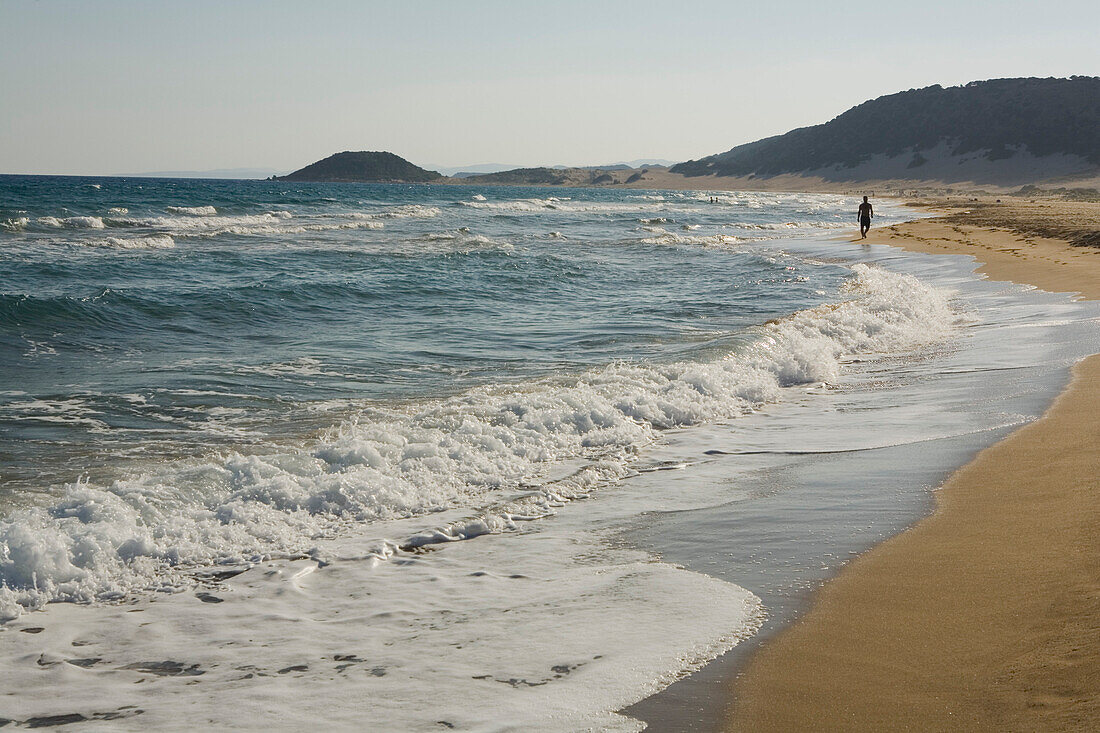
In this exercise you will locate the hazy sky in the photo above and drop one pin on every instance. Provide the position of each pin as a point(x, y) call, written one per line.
point(101, 87)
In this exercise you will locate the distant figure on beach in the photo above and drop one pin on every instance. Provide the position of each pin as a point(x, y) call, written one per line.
point(865, 214)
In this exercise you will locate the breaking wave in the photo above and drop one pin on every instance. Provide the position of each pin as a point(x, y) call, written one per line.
point(487, 453)
point(193, 210)
point(75, 222)
point(153, 241)
point(663, 236)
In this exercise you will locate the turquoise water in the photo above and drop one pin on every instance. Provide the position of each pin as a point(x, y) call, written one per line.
point(171, 316)
point(382, 444)
point(427, 457)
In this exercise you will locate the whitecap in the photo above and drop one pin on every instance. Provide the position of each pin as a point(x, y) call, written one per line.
point(152, 241)
point(76, 222)
point(193, 210)
point(489, 452)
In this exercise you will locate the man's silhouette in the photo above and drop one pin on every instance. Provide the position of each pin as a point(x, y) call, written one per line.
point(865, 214)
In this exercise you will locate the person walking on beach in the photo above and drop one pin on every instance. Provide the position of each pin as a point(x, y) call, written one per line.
point(865, 214)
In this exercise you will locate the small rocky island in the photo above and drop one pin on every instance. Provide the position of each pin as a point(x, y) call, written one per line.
point(362, 167)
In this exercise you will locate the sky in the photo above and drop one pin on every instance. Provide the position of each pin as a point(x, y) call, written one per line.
point(106, 87)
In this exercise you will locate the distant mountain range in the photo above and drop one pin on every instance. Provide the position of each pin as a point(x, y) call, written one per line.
point(996, 131)
point(1000, 132)
point(384, 167)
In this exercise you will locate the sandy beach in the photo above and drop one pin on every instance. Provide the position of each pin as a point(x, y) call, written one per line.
point(985, 615)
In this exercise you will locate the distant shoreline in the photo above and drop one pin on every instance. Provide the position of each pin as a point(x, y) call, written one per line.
point(659, 179)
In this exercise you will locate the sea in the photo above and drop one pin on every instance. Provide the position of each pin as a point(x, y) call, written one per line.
point(282, 455)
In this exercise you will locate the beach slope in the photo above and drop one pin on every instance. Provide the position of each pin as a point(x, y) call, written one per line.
point(985, 615)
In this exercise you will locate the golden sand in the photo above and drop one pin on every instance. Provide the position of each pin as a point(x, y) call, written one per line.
point(985, 615)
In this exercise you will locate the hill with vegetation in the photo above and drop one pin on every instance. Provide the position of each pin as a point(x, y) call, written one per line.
point(363, 167)
point(996, 130)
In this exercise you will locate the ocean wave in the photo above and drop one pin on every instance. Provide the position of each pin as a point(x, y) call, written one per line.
point(487, 453)
point(270, 222)
point(554, 203)
point(75, 222)
point(193, 210)
point(463, 240)
point(15, 224)
point(781, 226)
point(514, 205)
point(153, 241)
point(277, 222)
point(408, 211)
point(663, 236)
point(254, 229)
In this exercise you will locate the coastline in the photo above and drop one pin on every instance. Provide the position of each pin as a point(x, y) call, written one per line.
point(983, 615)
point(823, 247)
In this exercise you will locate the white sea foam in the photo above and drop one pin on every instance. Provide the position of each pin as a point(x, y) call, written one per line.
point(663, 236)
point(15, 224)
point(402, 211)
point(153, 241)
point(463, 240)
point(411, 211)
point(118, 210)
point(303, 367)
point(75, 222)
point(84, 222)
point(341, 644)
point(554, 203)
point(202, 221)
point(781, 226)
point(73, 411)
point(488, 453)
point(539, 205)
point(271, 222)
point(193, 210)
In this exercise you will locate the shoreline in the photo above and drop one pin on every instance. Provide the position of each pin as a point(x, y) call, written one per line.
point(940, 626)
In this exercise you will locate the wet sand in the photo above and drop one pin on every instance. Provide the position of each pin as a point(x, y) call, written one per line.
point(985, 615)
